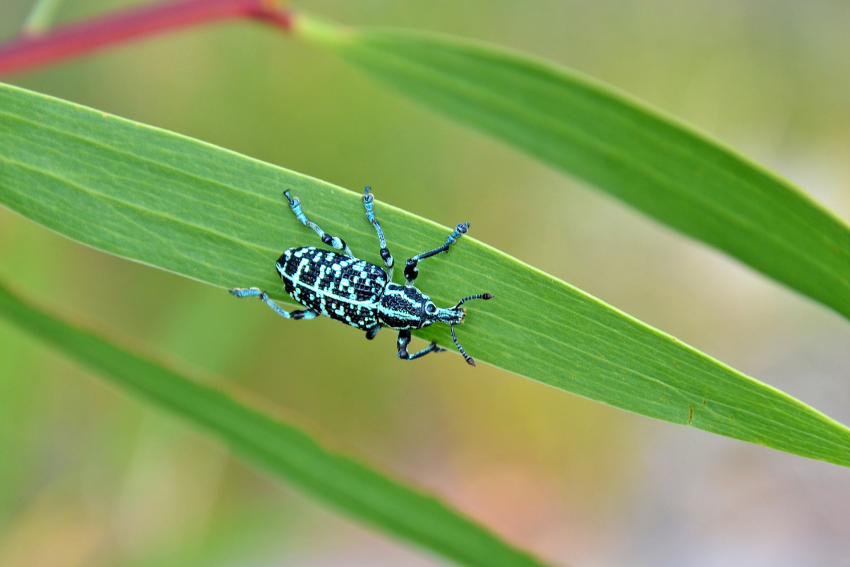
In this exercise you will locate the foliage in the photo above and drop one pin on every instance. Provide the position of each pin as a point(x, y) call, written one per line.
point(218, 217)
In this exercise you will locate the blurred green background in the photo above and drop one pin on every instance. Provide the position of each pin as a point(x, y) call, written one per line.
point(89, 477)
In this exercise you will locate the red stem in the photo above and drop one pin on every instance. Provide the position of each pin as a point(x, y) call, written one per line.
point(72, 40)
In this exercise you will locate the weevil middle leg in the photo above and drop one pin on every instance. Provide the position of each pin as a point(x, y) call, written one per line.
point(368, 203)
point(371, 333)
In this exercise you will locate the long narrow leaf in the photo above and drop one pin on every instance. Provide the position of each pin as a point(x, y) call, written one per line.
point(219, 217)
point(654, 163)
point(283, 450)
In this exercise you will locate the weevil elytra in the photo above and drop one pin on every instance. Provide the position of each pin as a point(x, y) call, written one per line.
point(358, 293)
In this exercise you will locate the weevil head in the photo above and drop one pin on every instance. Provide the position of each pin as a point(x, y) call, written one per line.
point(406, 307)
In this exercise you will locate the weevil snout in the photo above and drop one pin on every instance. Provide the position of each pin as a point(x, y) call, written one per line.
point(450, 316)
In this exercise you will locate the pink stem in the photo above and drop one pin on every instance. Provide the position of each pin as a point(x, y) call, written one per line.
point(72, 40)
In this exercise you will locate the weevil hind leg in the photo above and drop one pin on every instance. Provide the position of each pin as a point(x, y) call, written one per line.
point(404, 340)
point(263, 296)
point(368, 203)
point(411, 271)
point(333, 241)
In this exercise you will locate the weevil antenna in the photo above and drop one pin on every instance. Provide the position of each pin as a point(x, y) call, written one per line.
point(466, 357)
point(471, 297)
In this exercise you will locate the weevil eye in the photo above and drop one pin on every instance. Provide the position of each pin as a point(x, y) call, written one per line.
point(430, 308)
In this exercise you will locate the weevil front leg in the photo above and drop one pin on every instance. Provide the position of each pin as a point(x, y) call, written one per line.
point(334, 241)
point(368, 202)
point(404, 340)
point(257, 292)
point(410, 269)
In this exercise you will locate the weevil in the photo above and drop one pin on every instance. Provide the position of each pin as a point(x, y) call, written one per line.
point(358, 293)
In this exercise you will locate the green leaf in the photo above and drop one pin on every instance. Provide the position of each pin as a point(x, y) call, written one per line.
point(284, 450)
point(219, 217)
point(653, 162)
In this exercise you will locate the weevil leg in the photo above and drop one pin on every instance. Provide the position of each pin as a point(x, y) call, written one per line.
point(411, 271)
point(334, 241)
point(370, 334)
point(404, 340)
point(257, 292)
point(368, 202)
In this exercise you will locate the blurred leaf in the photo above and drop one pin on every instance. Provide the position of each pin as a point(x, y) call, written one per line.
point(18, 426)
point(247, 535)
point(219, 217)
point(282, 449)
point(651, 161)
point(41, 16)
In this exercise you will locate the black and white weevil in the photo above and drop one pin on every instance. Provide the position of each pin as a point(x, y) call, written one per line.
point(360, 294)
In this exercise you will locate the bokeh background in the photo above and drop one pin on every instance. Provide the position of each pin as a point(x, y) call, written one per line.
point(89, 477)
